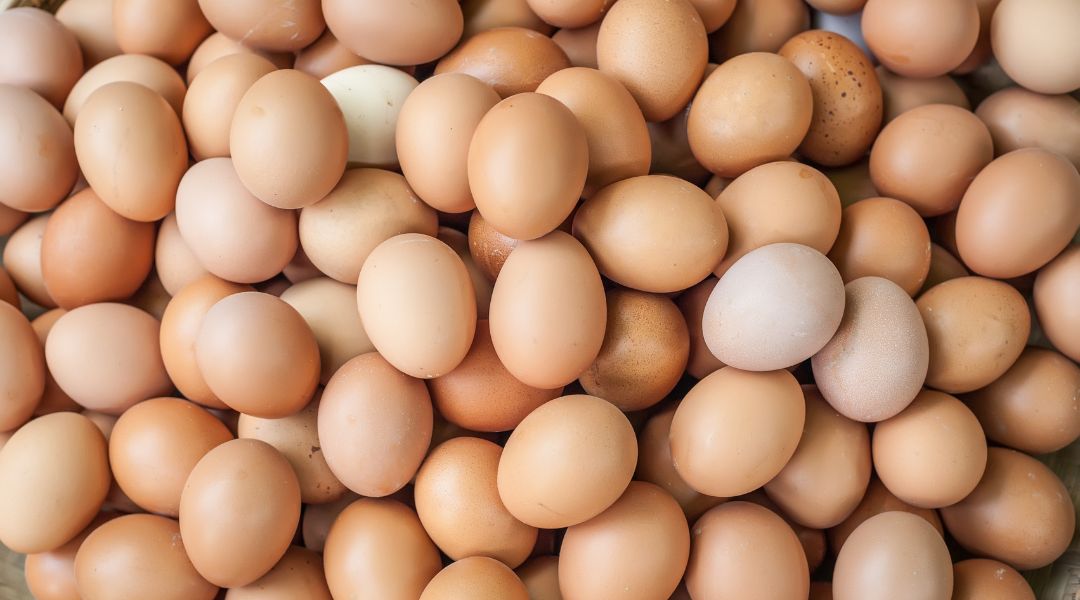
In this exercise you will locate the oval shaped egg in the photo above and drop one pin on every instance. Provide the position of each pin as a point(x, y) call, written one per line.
point(1059, 316)
point(482, 15)
point(691, 303)
point(212, 99)
point(921, 38)
point(299, 574)
point(656, 466)
point(326, 55)
point(548, 312)
point(39, 165)
point(714, 13)
point(653, 233)
point(174, 262)
point(51, 575)
point(394, 33)
point(902, 93)
point(1019, 118)
point(985, 579)
point(883, 237)
point(479, 578)
point(53, 399)
point(22, 368)
point(1033, 44)
point(879, 557)
point(329, 308)
point(570, 13)
point(541, 577)
point(218, 45)
point(579, 44)
point(512, 60)
point(170, 32)
point(371, 97)
point(136, 68)
point(267, 24)
point(488, 248)
point(91, 22)
point(878, 499)
point(39, 53)
point(482, 286)
point(759, 26)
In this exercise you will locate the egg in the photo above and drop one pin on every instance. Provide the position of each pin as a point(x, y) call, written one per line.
point(370, 97)
point(1020, 513)
point(985, 579)
point(218, 45)
point(38, 152)
point(51, 575)
point(656, 466)
point(1019, 118)
point(759, 26)
point(53, 399)
point(394, 33)
point(735, 430)
point(671, 153)
point(753, 109)
point(22, 368)
point(326, 55)
point(11, 219)
point(39, 53)
point(318, 518)
point(1058, 316)
point(595, 452)
point(569, 13)
point(174, 263)
point(774, 308)
point(91, 22)
point(579, 44)
point(714, 13)
point(482, 286)
point(151, 297)
point(548, 311)
point(893, 553)
point(982, 52)
point(541, 577)
point(299, 574)
point(943, 267)
point(691, 303)
point(847, 96)
point(902, 94)
point(212, 99)
point(488, 248)
point(477, 577)
point(741, 550)
point(147, 71)
point(512, 60)
point(482, 15)
point(921, 38)
point(878, 499)
point(366, 208)
point(1033, 44)
point(56, 473)
point(170, 32)
point(378, 548)
point(329, 308)
point(8, 293)
point(267, 24)
point(374, 424)
point(883, 237)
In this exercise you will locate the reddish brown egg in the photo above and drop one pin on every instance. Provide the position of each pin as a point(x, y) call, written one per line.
point(396, 33)
point(923, 38)
point(170, 32)
point(299, 574)
point(22, 368)
point(985, 579)
point(879, 557)
point(267, 24)
point(512, 60)
point(326, 55)
point(1059, 316)
point(39, 53)
point(476, 577)
point(759, 26)
point(883, 237)
point(691, 303)
point(38, 149)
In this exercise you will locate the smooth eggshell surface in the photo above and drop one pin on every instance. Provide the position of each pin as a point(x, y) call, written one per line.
point(512, 60)
point(879, 557)
point(38, 151)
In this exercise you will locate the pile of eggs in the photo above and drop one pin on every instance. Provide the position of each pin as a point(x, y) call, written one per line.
point(538, 299)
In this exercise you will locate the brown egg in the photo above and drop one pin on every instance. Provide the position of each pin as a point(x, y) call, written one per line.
point(258, 355)
point(1059, 316)
point(579, 45)
point(943, 267)
point(985, 579)
point(1033, 43)
point(55, 473)
point(774, 308)
point(22, 368)
point(8, 293)
point(318, 518)
point(779, 202)
point(329, 307)
point(759, 26)
point(671, 153)
point(232, 233)
point(375, 425)
point(847, 96)
point(482, 15)
point(51, 575)
point(482, 286)
point(741, 550)
point(92, 24)
point(151, 297)
point(905, 93)
point(91, 254)
point(326, 55)
point(570, 13)
point(977, 329)
point(289, 149)
point(170, 31)
point(267, 24)
point(714, 13)
point(174, 262)
point(396, 33)
point(378, 549)
point(541, 578)
point(511, 60)
point(650, 245)
point(920, 38)
point(299, 574)
point(106, 357)
point(548, 311)
point(883, 237)
point(53, 399)
point(878, 499)
point(881, 555)
point(136, 68)
point(366, 208)
point(594, 452)
point(477, 578)
point(212, 99)
point(1019, 514)
point(691, 303)
point(11, 219)
point(219, 45)
point(38, 151)
point(812, 540)
point(656, 466)
point(753, 109)
point(735, 430)
point(1019, 118)
point(982, 52)
point(488, 248)
point(39, 53)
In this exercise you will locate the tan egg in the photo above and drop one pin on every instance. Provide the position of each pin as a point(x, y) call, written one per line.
point(1019, 118)
point(548, 311)
point(741, 550)
point(812, 540)
point(480, 394)
point(92, 23)
point(985, 579)
point(1034, 45)
point(53, 399)
point(326, 55)
point(39, 53)
point(22, 368)
point(136, 175)
point(714, 13)
point(827, 476)
point(458, 503)
point(51, 575)
point(1059, 316)
point(106, 357)
point(905, 93)
point(512, 60)
point(371, 97)
point(1020, 513)
point(997, 234)
point(434, 129)
point(378, 549)
point(646, 347)
point(657, 51)
point(735, 430)
point(653, 233)
point(605, 553)
point(232, 233)
point(258, 355)
point(478, 578)
point(671, 153)
point(299, 574)
point(982, 52)
point(329, 307)
point(579, 44)
point(482, 286)
point(921, 38)
point(366, 208)
point(145, 70)
point(541, 577)
point(174, 262)
point(774, 308)
point(692, 303)
point(488, 248)
point(229, 543)
point(170, 31)
point(977, 329)
point(267, 24)
point(38, 151)
point(570, 13)
point(943, 267)
point(374, 425)
point(8, 293)
point(879, 557)
point(779, 202)
point(394, 33)
point(753, 109)
point(759, 26)
point(218, 45)
point(300, 268)
point(567, 462)
point(619, 145)
point(11, 219)
point(318, 518)
point(212, 99)
point(656, 466)
point(878, 499)
point(55, 473)
point(883, 237)
point(482, 15)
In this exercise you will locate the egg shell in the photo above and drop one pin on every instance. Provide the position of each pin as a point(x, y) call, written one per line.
point(299, 574)
point(482, 15)
point(151, 297)
point(735, 430)
point(318, 518)
point(548, 311)
point(8, 293)
point(880, 556)
point(512, 60)
point(570, 13)
point(38, 152)
point(53, 399)
point(329, 308)
point(371, 97)
point(920, 38)
point(56, 473)
point(476, 577)
point(174, 262)
point(691, 303)
point(883, 237)
point(812, 540)
point(218, 45)
point(658, 51)
point(170, 31)
point(51, 575)
point(902, 94)
point(878, 499)
point(759, 26)
point(11, 219)
point(212, 100)
point(1059, 316)
point(91, 23)
point(22, 368)
point(145, 70)
point(982, 52)
point(714, 13)
point(671, 153)
point(326, 55)
point(378, 548)
point(847, 96)
point(1019, 118)
point(1020, 513)
point(541, 577)
point(579, 45)
point(943, 267)
point(985, 579)
point(741, 550)
point(753, 109)
point(267, 24)
point(396, 33)
point(482, 286)
point(655, 466)
point(39, 53)
point(488, 248)
point(366, 208)
point(596, 451)
point(368, 409)
point(1034, 45)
